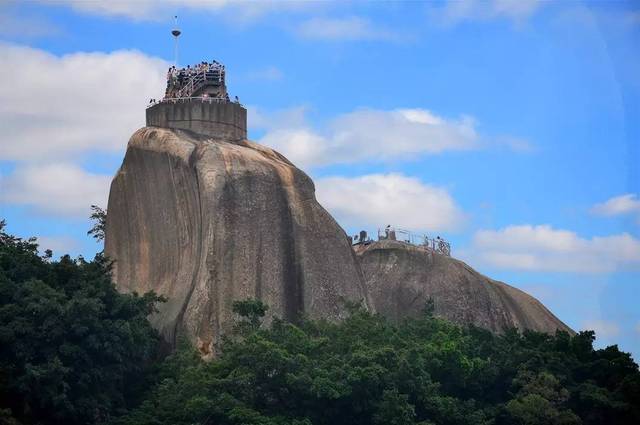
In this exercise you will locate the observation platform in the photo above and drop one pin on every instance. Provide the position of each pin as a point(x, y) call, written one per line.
point(437, 244)
point(196, 99)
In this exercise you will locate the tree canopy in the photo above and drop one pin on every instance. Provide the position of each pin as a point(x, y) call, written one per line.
point(99, 228)
point(72, 349)
point(75, 351)
point(366, 370)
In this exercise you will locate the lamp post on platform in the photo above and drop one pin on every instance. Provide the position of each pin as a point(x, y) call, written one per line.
point(176, 33)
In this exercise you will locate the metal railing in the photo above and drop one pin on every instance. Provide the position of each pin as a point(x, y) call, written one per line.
point(203, 99)
point(198, 80)
point(436, 244)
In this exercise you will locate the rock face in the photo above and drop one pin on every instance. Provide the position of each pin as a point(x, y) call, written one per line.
point(207, 221)
point(402, 277)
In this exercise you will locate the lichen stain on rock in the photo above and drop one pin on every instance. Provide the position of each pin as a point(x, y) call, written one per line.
point(205, 348)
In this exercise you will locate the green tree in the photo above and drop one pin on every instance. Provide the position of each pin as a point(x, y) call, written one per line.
point(394, 409)
point(72, 349)
point(365, 370)
point(541, 400)
point(99, 218)
point(251, 313)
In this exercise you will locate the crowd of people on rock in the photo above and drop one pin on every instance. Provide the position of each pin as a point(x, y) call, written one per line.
point(204, 73)
point(391, 233)
point(178, 78)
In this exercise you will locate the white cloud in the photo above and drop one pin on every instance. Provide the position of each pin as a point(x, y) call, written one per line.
point(515, 144)
point(19, 26)
point(632, 17)
point(63, 189)
point(541, 291)
point(140, 9)
point(457, 11)
point(259, 119)
point(269, 73)
point(618, 205)
point(301, 146)
point(155, 10)
point(603, 328)
point(60, 245)
point(369, 134)
point(515, 9)
point(56, 106)
point(346, 29)
point(380, 199)
point(543, 248)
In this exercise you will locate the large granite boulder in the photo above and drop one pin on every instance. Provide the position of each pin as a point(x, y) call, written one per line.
point(401, 278)
point(207, 221)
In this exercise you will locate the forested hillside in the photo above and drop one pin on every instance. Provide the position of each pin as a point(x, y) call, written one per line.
point(74, 351)
point(367, 371)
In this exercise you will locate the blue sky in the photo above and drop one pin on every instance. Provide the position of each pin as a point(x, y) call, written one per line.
point(510, 128)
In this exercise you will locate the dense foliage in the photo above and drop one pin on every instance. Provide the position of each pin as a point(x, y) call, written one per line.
point(72, 349)
point(369, 371)
point(75, 351)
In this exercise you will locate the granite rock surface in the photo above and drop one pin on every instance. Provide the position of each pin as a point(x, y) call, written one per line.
point(207, 221)
point(401, 278)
